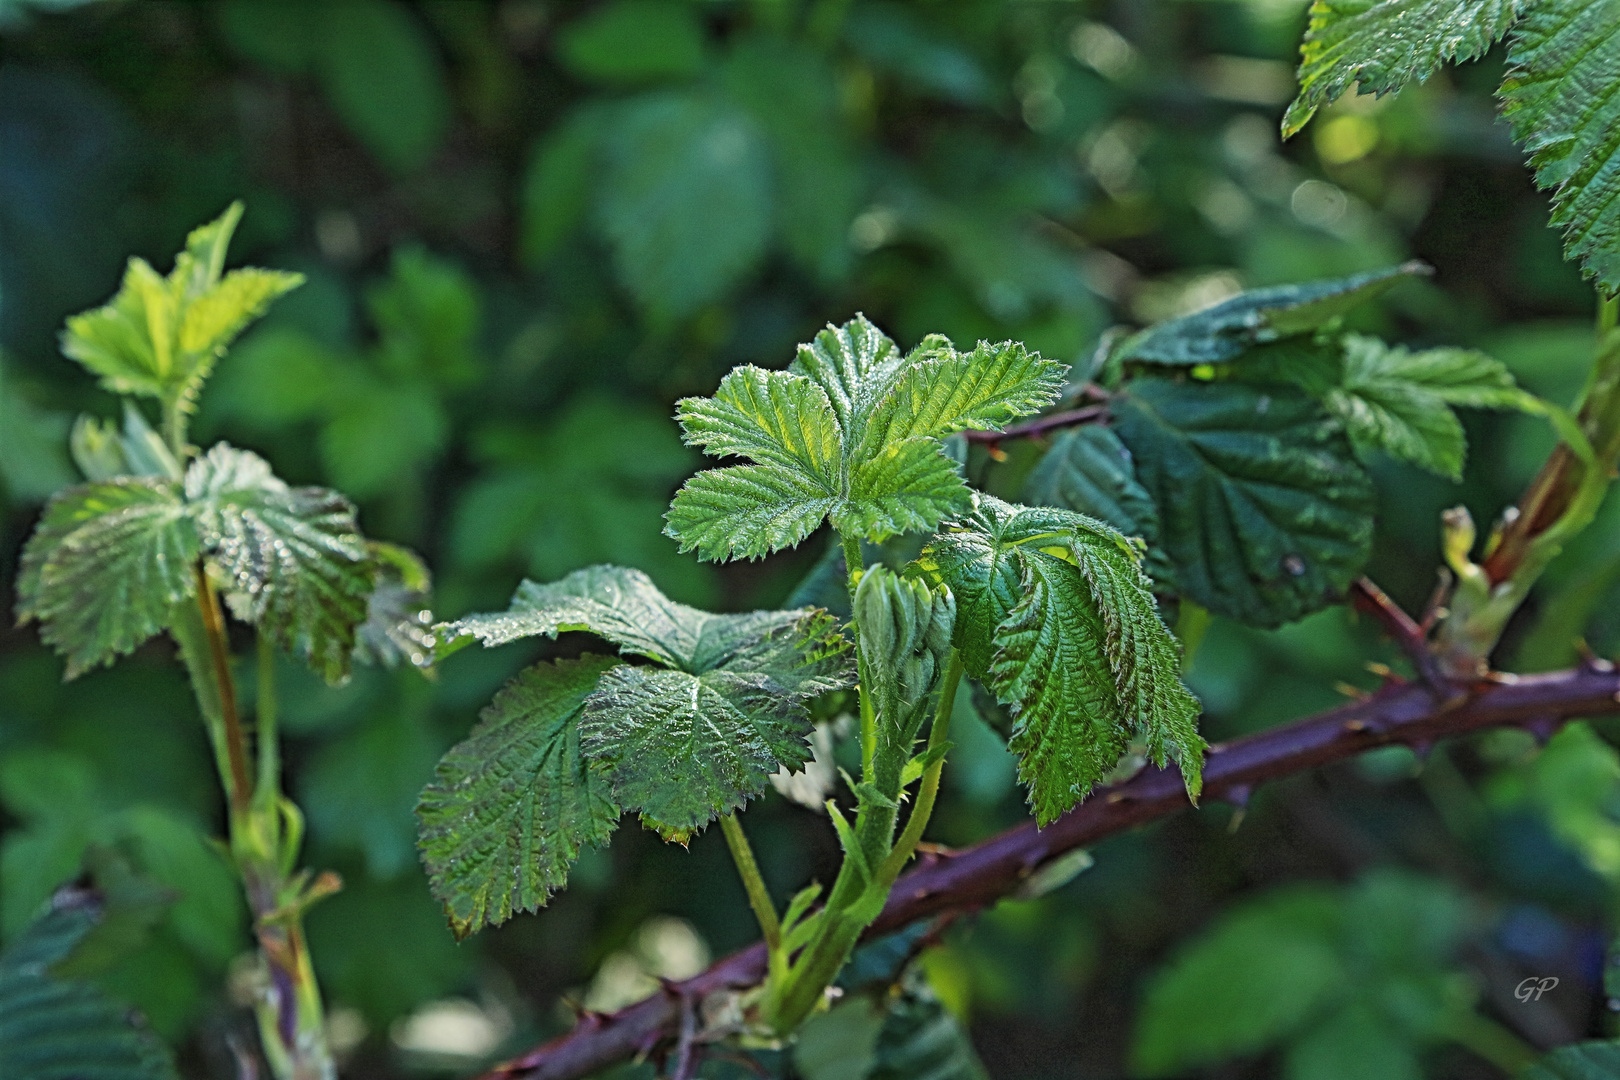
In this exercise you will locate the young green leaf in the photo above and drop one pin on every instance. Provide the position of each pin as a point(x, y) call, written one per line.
point(511, 806)
point(850, 431)
point(1559, 96)
point(105, 566)
point(1265, 514)
point(293, 560)
point(1400, 402)
point(160, 336)
point(1055, 615)
point(1228, 329)
point(702, 732)
point(905, 637)
point(1384, 44)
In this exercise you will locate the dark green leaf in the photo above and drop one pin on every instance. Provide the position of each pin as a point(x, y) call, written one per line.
point(1088, 470)
point(920, 1038)
point(1265, 515)
point(510, 807)
point(633, 41)
point(1226, 330)
point(1378, 46)
point(105, 567)
point(1583, 1061)
point(398, 622)
point(684, 200)
point(1559, 96)
point(293, 561)
point(382, 74)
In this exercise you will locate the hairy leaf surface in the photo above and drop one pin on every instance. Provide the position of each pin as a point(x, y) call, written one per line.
point(1560, 97)
point(511, 806)
point(851, 431)
point(293, 559)
point(1088, 470)
point(1384, 44)
point(105, 566)
point(1226, 330)
point(1054, 613)
point(1265, 513)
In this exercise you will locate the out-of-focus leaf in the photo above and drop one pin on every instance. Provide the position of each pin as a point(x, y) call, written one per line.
point(1255, 977)
point(511, 806)
point(105, 566)
point(380, 432)
point(1227, 329)
point(382, 74)
point(32, 464)
point(920, 1038)
point(1559, 97)
point(359, 789)
point(1583, 1061)
point(1379, 46)
point(896, 38)
point(793, 94)
point(53, 1028)
point(557, 185)
point(633, 41)
point(684, 199)
point(1355, 1044)
point(428, 315)
point(292, 558)
point(1265, 514)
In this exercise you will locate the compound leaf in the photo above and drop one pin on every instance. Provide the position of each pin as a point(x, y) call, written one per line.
point(1559, 96)
point(511, 806)
point(293, 560)
point(1055, 615)
point(1400, 402)
point(851, 431)
point(1228, 329)
point(1265, 514)
point(160, 336)
point(105, 567)
point(1384, 44)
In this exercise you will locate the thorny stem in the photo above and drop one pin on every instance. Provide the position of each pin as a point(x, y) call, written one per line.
point(759, 898)
point(1088, 414)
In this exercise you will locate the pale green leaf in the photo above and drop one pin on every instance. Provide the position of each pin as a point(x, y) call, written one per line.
point(905, 636)
point(853, 364)
point(941, 390)
point(105, 566)
point(774, 417)
point(1265, 514)
point(1228, 329)
point(1379, 46)
point(54, 1028)
point(909, 486)
point(511, 806)
point(1560, 97)
point(292, 559)
point(1055, 615)
point(212, 321)
point(1281, 950)
point(746, 511)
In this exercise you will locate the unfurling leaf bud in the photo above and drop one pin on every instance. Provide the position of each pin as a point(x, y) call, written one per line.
point(904, 633)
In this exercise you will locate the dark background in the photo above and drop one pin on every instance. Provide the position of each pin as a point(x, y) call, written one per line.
point(529, 226)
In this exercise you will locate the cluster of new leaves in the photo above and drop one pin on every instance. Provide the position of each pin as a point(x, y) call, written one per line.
point(160, 336)
point(696, 731)
point(851, 433)
point(1056, 617)
point(112, 558)
point(1233, 450)
point(1564, 58)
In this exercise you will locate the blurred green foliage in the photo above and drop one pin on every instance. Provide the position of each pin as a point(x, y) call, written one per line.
point(528, 226)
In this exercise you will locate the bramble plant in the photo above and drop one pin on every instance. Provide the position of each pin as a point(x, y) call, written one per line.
point(1215, 464)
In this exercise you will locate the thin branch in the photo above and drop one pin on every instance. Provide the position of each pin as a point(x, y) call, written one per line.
point(1409, 635)
point(1088, 414)
point(1413, 714)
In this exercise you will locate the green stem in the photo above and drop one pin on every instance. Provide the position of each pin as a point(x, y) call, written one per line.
point(854, 567)
point(268, 742)
point(238, 785)
point(929, 791)
point(759, 898)
point(1608, 313)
